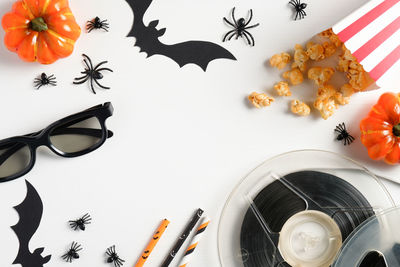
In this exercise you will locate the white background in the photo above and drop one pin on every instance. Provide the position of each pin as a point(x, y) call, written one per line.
point(183, 138)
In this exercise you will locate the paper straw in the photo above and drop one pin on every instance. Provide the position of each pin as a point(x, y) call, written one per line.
point(153, 242)
point(192, 223)
point(195, 241)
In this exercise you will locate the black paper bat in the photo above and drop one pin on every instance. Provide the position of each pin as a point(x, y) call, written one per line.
point(30, 214)
point(197, 52)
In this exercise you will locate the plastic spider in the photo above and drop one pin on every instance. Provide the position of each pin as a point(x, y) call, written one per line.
point(72, 252)
point(240, 28)
point(92, 73)
point(344, 134)
point(81, 222)
point(97, 24)
point(45, 80)
point(299, 8)
point(113, 257)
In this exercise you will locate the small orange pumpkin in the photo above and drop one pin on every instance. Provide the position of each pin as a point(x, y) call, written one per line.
point(380, 130)
point(41, 30)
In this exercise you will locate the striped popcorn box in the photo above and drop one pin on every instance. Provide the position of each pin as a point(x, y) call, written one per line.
point(372, 34)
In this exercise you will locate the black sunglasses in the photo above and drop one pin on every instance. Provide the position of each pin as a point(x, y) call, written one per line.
point(72, 136)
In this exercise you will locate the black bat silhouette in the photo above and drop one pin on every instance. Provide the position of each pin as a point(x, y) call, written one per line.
point(200, 53)
point(30, 214)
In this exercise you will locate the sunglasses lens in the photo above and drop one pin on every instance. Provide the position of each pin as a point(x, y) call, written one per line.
point(14, 158)
point(77, 136)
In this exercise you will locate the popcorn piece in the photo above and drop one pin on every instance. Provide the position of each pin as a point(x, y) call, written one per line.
point(260, 100)
point(320, 75)
point(332, 36)
point(328, 108)
point(343, 97)
point(280, 60)
point(346, 60)
point(300, 108)
point(283, 89)
point(325, 101)
point(329, 49)
point(315, 51)
point(300, 58)
point(295, 76)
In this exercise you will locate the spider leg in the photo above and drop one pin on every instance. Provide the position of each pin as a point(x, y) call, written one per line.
point(81, 82)
point(90, 61)
point(91, 29)
point(101, 63)
point(303, 14)
point(230, 23)
point(234, 34)
point(251, 36)
point(292, 3)
point(88, 67)
point(104, 28)
point(247, 38)
point(91, 85)
point(226, 35)
point(105, 69)
point(250, 18)
point(297, 14)
point(252, 26)
point(83, 77)
point(233, 17)
point(102, 86)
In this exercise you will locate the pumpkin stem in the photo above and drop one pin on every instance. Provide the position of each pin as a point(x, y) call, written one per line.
point(38, 25)
point(396, 130)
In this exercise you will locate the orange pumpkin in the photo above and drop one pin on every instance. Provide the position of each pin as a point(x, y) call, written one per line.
point(380, 130)
point(41, 30)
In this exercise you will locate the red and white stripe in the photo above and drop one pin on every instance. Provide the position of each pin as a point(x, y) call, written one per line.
point(372, 34)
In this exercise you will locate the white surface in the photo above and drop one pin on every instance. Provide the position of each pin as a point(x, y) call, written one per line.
point(183, 138)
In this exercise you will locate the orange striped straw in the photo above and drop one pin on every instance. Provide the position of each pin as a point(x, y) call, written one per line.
point(153, 242)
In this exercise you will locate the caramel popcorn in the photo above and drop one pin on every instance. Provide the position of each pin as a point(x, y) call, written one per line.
point(328, 97)
point(295, 76)
point(315, 51)
point(280, 60)
point(328, 108)
point(260, 100)
point(333, 37)
point(300, 108)
point(320, 75)
point(358, 77)
point(300, 58)
point(329, 49)
point(325, 102)
point(283, 89)
point(343, 97)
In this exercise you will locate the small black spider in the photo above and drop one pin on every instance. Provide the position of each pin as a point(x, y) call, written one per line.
point(45, 80)
point(92, 73)
point(299, 8)
point(72, 252)
point(81, 222)
point(113, 257)
point(240, 28)
point(344, 134)
point(97, 24)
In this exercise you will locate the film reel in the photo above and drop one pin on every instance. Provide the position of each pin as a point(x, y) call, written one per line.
point(297, 209)
point(375, 244)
